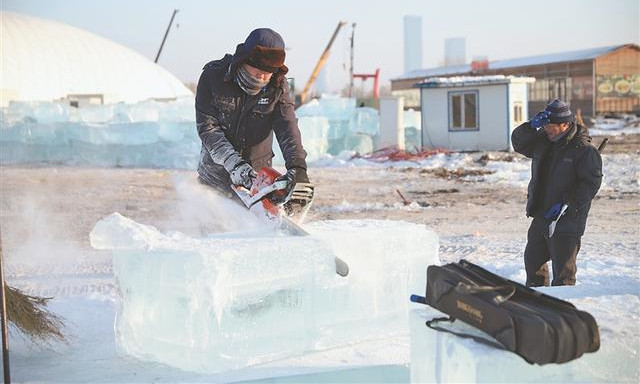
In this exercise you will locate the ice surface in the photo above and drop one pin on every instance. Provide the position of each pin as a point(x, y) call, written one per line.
point(233, 300)
point(446, 358)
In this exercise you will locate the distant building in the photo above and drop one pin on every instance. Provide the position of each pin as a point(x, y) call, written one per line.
point(455, 51)
point(44, 60)
point(476, 113)
point(412, 43)
point(597, 81)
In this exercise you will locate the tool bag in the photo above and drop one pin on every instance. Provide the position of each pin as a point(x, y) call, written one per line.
point(540, 328)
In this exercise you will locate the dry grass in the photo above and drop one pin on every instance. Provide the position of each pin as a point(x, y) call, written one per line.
point(30, 315)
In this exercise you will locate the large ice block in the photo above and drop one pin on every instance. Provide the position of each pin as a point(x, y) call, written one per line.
point(350, 128)
point(412, 130)
point(238, 299)
point(440, 357)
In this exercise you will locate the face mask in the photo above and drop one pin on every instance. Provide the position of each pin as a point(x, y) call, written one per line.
point(248, 83)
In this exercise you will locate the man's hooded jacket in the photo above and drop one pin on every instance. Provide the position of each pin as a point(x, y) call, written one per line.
point(236, 127)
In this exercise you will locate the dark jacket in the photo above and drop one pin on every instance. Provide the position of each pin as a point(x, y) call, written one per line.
point(236, 127)
point(568, 171)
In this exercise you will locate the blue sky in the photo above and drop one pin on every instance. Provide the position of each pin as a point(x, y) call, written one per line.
point(206, 30)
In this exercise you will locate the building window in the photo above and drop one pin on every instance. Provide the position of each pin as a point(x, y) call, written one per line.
point(463, 111)
point(517, 112)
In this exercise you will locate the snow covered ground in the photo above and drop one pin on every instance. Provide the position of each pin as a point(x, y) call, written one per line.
point(621, 171)
point(46, 224)
point(473, 201)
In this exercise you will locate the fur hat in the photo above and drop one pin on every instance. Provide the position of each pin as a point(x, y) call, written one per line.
point(263, 49)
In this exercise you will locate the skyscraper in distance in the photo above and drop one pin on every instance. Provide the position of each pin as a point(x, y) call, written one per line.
point(412, 43)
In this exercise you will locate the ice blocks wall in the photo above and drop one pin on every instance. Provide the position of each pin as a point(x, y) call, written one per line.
point(163, 134)
point(231, 300)
point(155, 134)
point(147, 134)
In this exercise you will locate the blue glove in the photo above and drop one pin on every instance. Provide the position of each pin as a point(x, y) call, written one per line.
point(540, 120)
point(554, 211)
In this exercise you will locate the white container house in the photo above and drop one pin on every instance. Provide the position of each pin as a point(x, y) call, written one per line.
point(472, 113)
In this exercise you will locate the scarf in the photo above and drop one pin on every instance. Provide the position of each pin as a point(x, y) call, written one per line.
point(248, 83)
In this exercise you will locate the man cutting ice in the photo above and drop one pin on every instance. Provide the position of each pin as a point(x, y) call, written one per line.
point(241, 100)
point(566, 172)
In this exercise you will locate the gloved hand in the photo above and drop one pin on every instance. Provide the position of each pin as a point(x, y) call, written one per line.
point(554, 211)
point(293, 176)
point(540, 120)
point(243, 175)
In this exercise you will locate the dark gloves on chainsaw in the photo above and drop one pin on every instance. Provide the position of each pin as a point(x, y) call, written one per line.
point(243, 175)
point(292, 177)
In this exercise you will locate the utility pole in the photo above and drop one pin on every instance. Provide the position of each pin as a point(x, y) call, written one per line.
point(165, 35)
point(353, 30)
point(4, 319)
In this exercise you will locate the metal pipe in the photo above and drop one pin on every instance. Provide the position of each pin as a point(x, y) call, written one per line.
point(3, 320)
point(353, 30)
point(165, 35)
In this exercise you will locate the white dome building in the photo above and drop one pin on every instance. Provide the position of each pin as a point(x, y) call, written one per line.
point(43, 60)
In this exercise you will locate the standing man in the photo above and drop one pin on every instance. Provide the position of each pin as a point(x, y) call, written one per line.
point(241, 100)
point(566, 169)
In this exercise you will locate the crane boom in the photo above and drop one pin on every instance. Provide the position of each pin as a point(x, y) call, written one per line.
point(321, 62)
point(165, 35)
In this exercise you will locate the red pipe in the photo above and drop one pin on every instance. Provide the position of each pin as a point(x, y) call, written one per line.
point(376, 81)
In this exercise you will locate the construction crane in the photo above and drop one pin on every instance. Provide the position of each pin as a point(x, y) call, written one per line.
point(165, 35)
point(321, 62)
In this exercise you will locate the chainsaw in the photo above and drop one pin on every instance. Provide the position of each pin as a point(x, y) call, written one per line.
point(268, 199)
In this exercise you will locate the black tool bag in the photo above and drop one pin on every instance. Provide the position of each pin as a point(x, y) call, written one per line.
point(540, 328)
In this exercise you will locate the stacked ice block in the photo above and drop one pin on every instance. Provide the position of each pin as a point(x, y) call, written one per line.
point(440, 357)
point(349, 128)
point(147, 134)
point(234, 300)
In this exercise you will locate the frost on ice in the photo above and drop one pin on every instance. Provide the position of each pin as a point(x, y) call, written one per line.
point(226, 301)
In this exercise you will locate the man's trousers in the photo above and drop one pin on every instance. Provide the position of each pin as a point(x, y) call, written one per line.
point(561, 249)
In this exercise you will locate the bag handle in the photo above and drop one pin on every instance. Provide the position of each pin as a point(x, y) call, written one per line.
point(432, 324)
point(467, 289)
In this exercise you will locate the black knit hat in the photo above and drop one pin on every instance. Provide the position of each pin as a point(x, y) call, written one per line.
point(560, 112)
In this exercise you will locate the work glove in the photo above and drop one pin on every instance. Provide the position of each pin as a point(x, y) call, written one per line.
point(540, 120)
point(243, 175)
point(292, 177)
point(554, 211)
